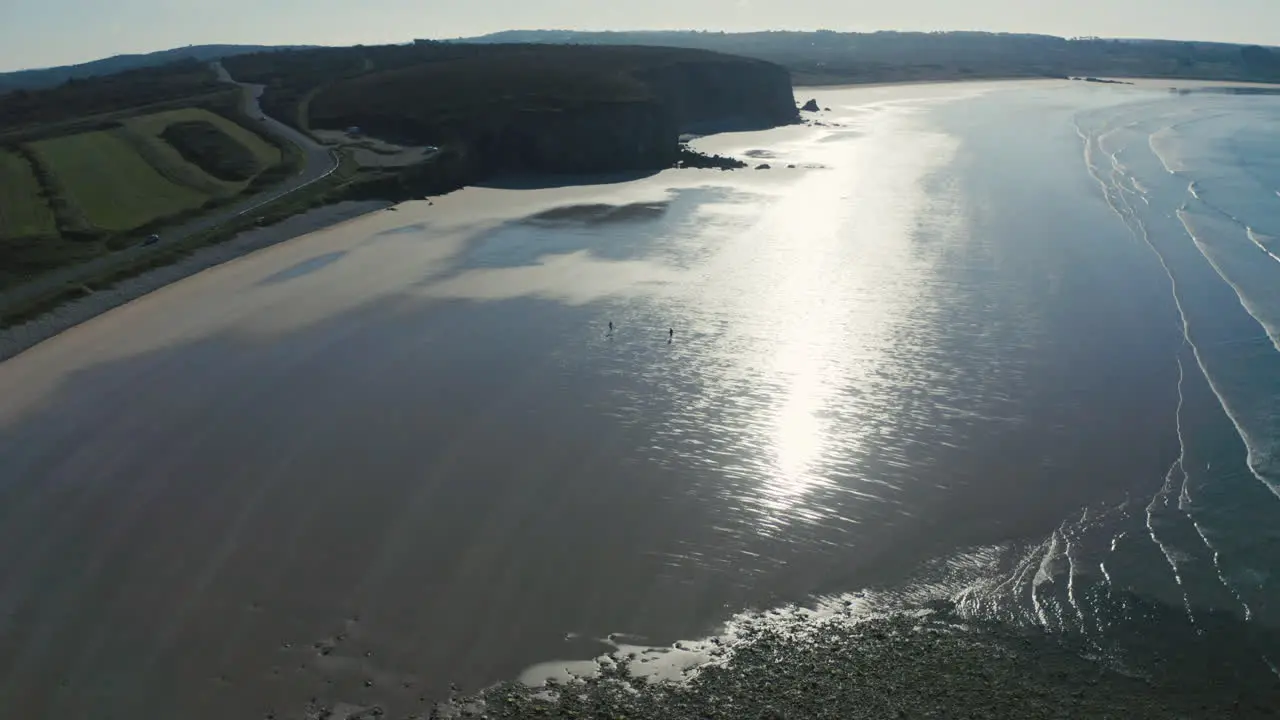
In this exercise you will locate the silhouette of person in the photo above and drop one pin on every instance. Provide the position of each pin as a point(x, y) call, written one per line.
point(610, 326)
point(671, 334)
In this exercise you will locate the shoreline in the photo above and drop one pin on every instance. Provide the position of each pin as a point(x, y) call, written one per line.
point(19, 338)
point(1139, 82)
point(836, 662)
point(254, 464)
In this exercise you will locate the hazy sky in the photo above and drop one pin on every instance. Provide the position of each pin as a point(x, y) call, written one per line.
point(39, 33)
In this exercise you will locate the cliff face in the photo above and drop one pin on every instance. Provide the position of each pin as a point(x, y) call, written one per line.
point(723, 95)
point(563, 109)
point(599, 138)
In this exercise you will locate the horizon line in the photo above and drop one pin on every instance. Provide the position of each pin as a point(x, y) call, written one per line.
point(1069, 38)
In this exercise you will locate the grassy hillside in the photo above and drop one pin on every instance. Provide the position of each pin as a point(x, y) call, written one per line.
point(264, 153)
point(23, 211)
point(110, 184)
point(50, 77)
point(183, 82)
point(170, 163)
point(204, 144)
point(86, 168)
point(201, 168)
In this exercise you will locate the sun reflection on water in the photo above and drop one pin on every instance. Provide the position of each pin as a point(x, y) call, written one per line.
point(813, 292)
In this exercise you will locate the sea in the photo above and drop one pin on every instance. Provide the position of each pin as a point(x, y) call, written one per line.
point(1008, 346)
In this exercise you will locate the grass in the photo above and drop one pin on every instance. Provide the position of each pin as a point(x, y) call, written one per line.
point(216, 152)
point(23, 210)
point(126, 91)
point(264, 153)
point(69, 235)
point(173, 166)
point(111, 184)
point(107, 180)
point(332, 189)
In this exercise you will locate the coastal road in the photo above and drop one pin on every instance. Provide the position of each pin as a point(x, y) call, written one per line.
point(319, 163)
point(320, 160)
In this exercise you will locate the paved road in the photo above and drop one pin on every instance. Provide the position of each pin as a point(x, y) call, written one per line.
point(320, 160)
point(319, 163)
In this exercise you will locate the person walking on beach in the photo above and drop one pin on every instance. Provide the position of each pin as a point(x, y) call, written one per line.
point(671, 334)
point(610, 327)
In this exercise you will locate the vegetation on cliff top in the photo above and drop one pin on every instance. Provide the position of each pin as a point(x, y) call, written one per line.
point(39, 78)
point(440, 83)
point(97, 158)
point(824, 56)
point(77, 100)
point(536, 108)
point(212, 150)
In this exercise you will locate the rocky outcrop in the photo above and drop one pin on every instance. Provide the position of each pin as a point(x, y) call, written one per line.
point(690, 158)
point(811, 106)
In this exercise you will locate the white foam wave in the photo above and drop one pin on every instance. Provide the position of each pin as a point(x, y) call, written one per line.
point(1164, 144)
point(1252, 441)
point(1114, 193)
point(1259, 239)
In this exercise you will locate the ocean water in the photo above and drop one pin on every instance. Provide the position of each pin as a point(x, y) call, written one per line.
point(1009, 345)
point(1180, 574)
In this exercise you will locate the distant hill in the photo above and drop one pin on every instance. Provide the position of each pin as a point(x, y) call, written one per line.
point(824, 57)
point(50, 77)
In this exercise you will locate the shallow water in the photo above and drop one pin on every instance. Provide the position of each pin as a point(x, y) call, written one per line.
point(1011, 344)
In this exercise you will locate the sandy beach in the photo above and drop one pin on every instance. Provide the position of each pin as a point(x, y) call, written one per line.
point(18, 338)
point(137, 566)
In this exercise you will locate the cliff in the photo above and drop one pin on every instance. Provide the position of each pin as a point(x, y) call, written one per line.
point(723, 93)
point(561, 109)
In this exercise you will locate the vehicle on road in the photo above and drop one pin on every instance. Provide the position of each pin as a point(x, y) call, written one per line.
point(151, 240)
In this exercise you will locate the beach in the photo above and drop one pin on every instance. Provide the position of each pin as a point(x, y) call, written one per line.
point(951, 350)
point(22, 336)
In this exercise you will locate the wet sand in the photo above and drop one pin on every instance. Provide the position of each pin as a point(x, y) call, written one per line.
point(405, 451)
point(238, 524)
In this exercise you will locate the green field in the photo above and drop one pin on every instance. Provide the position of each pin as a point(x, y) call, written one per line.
point(154, 124)
point(23, 210)
point(106, 179)
point(169, 162)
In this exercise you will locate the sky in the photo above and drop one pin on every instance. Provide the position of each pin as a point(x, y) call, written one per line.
point(42, 33)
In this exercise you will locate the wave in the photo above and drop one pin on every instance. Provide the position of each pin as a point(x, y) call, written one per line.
point(1218, 236)
point(1263, 242)
point(1120, 187)
point(1190, 522)
point(1131, 577)
point(1164, 145)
